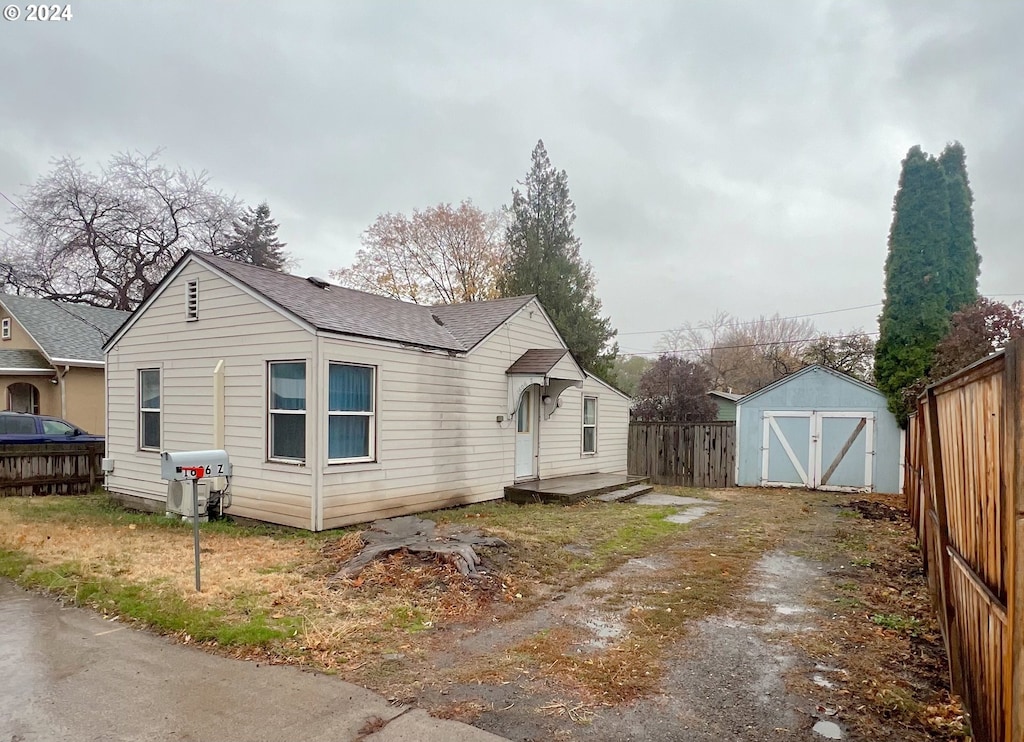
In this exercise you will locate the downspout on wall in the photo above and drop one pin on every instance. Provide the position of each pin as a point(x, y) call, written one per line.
point(63, 392)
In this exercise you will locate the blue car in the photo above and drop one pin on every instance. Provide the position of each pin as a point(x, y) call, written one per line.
point(20, 427)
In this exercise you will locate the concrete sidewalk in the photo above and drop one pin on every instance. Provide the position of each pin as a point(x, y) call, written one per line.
point(68, 674)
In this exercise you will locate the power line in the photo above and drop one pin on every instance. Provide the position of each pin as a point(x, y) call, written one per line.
point(755, 321)
point(746, 345)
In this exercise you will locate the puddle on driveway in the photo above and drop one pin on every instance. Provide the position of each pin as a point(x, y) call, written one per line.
point(828, 730)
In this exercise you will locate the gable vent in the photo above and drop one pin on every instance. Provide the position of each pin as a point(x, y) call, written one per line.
point(192, 300)
point(319, 282)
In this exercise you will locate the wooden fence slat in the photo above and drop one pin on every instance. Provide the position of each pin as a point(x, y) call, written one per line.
point(49, 468)
point(965, 493)
point(683, 454)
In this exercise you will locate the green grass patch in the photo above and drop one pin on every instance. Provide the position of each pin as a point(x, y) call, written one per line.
point(895, 622)
point(147, 604)
point(599, 536)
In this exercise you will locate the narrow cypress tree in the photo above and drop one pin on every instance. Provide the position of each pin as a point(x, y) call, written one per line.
point(915, 313)
point(962, 256)
point(543, 258)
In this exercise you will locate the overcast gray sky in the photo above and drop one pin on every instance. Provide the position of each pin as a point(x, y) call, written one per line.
point(737, 156)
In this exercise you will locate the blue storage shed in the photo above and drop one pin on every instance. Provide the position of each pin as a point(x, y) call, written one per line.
point(821, 429)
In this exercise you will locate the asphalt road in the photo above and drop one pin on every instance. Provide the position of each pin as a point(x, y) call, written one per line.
point(69, 674)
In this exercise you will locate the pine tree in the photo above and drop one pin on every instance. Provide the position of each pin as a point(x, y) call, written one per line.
point(962, 257)
point(543, 258)
point(255, 240)
point(915, 314)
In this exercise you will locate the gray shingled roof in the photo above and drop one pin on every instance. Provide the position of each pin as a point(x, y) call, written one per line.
point(63, 330)
point(537, 361)
point(29, 360)
point(352, 312)
point(472, 322)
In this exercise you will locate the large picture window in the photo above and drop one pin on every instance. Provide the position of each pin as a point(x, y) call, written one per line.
point(589, 425)
point(287, 411)
point(149, 408)
point(350, 413)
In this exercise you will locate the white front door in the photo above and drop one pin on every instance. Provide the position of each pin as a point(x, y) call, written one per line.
point(526, 435)
point(818, 450)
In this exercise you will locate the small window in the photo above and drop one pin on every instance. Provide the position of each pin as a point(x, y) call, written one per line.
point(5, 328)
point(287, 411)
point(589, 425)
point(192, 301)
point(350, 413)
point(149, 408)
point(523, 413)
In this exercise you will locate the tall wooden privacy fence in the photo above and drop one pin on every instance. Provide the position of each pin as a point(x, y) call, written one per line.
point(49, 468)
point(965, 492)
point(683, 454)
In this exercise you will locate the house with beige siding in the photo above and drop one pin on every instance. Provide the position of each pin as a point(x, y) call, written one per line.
point(337, 407)
point(51, 358)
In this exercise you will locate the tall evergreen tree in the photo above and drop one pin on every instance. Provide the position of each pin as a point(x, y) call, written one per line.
point(254, 240)
point(543, 258)
point(915, 313)
point(962, 257)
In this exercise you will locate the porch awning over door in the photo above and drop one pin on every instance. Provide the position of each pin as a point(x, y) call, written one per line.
point(535, 366)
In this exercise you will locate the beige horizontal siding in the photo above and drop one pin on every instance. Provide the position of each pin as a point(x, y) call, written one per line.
point(437, 439)
point(244, 333)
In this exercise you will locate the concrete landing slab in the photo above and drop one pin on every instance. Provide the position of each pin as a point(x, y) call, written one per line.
point(690, 514)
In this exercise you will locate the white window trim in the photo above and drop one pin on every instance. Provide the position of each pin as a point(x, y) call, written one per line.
point(157, 410)
point(372, 414)
point(271, 412)
point(192, 300)
point(585, 425)
point(5, 328)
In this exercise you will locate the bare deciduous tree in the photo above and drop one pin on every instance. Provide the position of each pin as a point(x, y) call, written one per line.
point(108, 238)
point(442, 255)
point(743, 355)
point(852, 353)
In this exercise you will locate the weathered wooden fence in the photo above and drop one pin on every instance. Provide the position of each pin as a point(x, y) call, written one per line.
point(683, 454)
point(49, 468)
point(965, 493)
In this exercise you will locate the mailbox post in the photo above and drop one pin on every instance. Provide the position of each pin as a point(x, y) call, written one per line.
point(191, 466)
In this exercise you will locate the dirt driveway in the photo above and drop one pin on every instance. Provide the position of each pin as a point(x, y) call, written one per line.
point(701, 615)
point(828, 637)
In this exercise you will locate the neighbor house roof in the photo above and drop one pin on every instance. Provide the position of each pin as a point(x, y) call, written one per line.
point(455, 327)
point(726, 395)
point(537, 361)
point(23, 360)
point(63, 331)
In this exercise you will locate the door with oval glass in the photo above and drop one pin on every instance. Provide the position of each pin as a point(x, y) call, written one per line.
point(526, 435)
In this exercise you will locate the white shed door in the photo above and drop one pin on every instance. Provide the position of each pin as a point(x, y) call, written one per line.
point(819, 450)
point(526, 436)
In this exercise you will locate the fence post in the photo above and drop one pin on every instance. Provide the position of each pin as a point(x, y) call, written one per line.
point(1013, 509)
point(939, 493)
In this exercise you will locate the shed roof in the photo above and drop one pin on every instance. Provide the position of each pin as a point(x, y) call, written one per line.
point(537, 361)
point(23, 360)
point(803, 372)
point(62, 330)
